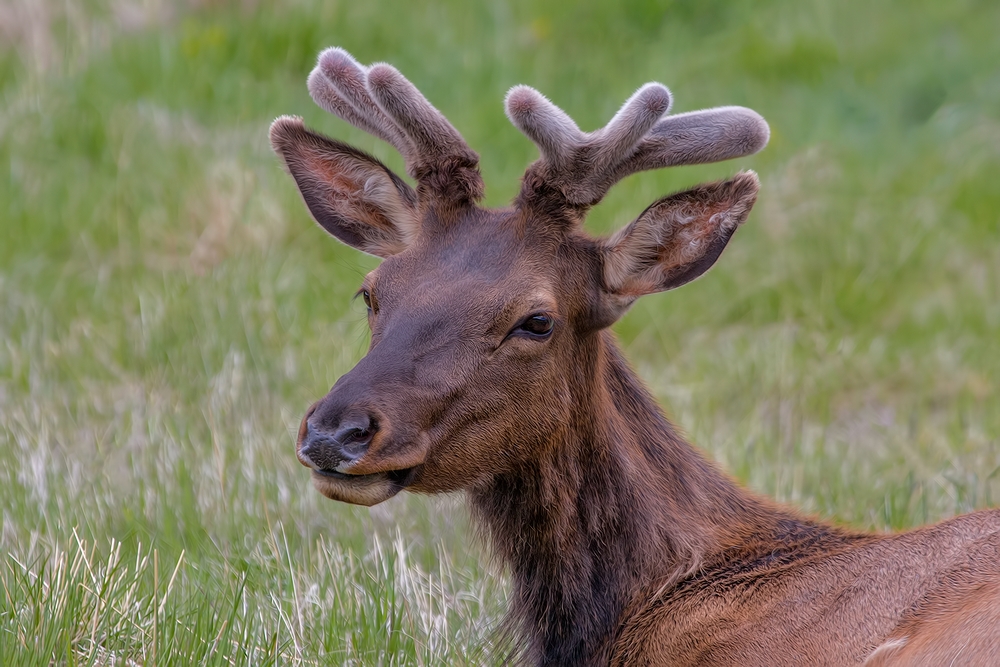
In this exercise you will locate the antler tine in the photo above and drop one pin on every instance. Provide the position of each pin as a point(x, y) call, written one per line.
point(338, 85)
point(327, 97)
point(584, 166)
point(435, 138)
point(548, 126)
point(699, 137)
point(579, 163)
point(638, 115)
point(382, 102)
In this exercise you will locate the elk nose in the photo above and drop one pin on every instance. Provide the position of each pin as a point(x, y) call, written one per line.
point(329, 450)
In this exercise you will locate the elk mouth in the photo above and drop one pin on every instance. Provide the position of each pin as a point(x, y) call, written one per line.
point(366, 490)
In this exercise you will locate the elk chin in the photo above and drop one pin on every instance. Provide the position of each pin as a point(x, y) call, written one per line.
point(364, 490)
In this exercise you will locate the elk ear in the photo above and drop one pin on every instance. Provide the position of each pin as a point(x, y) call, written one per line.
point(676, 239)
point(351, 195)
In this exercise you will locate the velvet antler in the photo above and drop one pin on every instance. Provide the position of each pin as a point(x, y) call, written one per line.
point(381, 101)
point(584, 165)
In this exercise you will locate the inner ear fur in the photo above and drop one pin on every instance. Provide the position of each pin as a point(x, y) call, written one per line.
point(351, 194)
point(677, 238)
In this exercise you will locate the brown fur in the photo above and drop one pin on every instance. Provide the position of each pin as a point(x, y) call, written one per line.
point(491, 370)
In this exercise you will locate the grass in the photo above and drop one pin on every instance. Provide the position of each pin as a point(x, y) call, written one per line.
point(167, 310)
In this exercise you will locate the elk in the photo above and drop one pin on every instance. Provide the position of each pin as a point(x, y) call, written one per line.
point(492, 370)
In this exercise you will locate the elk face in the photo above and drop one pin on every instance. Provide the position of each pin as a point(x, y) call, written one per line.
point(480, 319)
point(464, 375)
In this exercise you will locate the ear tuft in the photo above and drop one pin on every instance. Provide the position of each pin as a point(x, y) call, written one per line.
point(742, 191)
point(283, 131)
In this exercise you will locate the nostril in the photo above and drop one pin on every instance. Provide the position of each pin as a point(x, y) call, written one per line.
point(346, 443)
point(353, 434)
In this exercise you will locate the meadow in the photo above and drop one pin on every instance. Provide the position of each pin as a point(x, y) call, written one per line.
point(168, 310)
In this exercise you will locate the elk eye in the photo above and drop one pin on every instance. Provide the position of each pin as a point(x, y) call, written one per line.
point(538, 325)
point(367, 296)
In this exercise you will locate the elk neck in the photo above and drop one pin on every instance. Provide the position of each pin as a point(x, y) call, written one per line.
point(615, 503)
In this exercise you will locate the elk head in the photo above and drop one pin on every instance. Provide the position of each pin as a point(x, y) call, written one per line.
point(483, 322)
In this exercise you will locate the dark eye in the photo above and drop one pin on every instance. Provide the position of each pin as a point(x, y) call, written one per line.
point(538, 325)
point(369, 301)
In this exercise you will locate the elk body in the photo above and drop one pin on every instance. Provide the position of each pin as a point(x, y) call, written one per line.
point(492, 371)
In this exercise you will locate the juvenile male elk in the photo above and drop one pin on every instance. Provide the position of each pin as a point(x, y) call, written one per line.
point(491, 370)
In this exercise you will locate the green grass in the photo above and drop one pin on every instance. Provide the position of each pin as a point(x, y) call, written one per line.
point(168, 311)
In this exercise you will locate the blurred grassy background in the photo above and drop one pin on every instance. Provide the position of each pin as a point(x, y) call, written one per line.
point(168, 310)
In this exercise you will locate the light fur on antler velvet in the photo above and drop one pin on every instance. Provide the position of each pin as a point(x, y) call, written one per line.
point(381, 101)
point(584, 165)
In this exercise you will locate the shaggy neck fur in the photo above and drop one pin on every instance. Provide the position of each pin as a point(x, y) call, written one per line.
point(615, 504)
